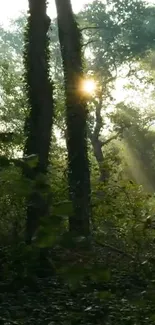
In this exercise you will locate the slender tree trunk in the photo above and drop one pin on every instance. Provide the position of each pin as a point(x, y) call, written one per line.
point(76, 118)
point(94, 138)
point(97, 148)
point(38, 124)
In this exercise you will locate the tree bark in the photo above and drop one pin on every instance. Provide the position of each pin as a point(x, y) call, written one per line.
point(97, 148)
point(39, 122)
point(76, 118)
point(95, 142)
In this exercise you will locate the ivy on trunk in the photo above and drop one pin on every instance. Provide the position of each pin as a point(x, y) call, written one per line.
point(39, 122)
point(76, 118)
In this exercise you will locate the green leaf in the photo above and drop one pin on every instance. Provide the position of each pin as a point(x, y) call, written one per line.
point(63, 208)
point(153, 317)
point(47, 236)
point(31, 160)
point(104, 295)
point(47, 241)
point(73, 274)
point(99, 274)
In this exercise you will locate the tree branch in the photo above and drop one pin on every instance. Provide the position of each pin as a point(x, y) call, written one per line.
point(103, 143)
point(6, 137)
point(117, 250)
point(90, 27)
point(89, 42)
point(98, 116)
point(90, 134)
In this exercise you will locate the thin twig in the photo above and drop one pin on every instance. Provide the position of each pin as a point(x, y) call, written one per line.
point(89, 42)
point(90, 27)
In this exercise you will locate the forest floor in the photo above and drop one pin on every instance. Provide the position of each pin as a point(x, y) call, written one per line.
point(110, 296)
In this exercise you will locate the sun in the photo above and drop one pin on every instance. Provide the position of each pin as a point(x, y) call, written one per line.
point(89, 86)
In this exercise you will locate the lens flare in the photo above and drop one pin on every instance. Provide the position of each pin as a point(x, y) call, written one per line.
point(89, 86)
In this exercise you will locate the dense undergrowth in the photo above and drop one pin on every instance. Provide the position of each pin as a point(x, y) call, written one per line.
point(75, 286)
point(60, 281)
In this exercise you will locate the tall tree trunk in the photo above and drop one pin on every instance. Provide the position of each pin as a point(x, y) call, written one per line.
point(76, 118)
point(38, 124)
